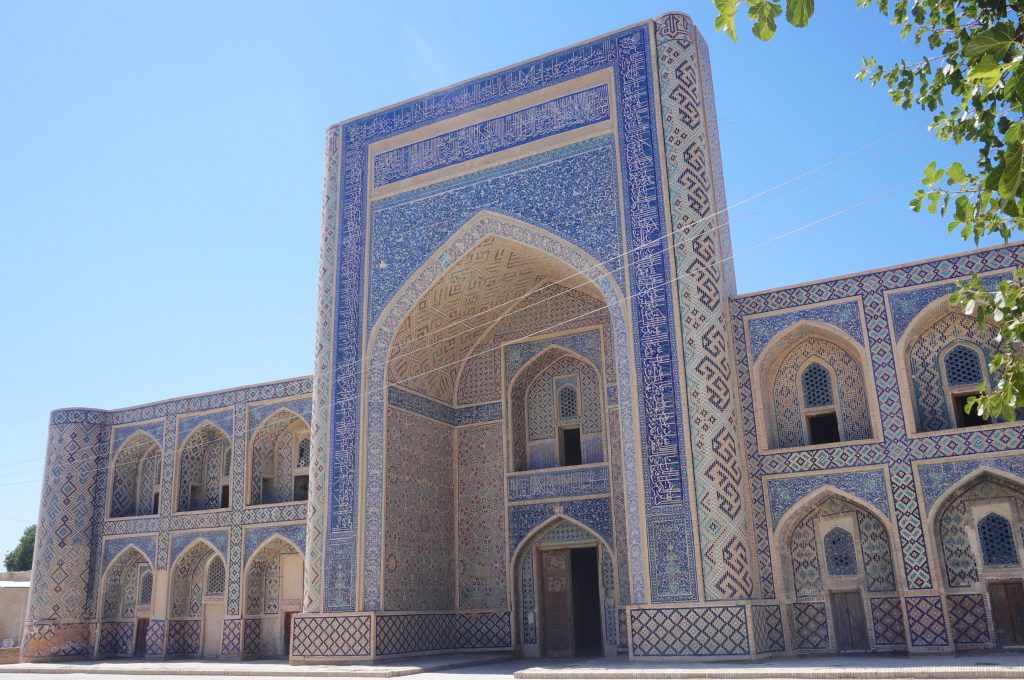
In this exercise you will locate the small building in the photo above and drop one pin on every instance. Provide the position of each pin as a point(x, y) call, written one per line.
point(14, 589)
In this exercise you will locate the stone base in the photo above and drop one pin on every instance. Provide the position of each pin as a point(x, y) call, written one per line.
point(57, 641)
point(326, 638)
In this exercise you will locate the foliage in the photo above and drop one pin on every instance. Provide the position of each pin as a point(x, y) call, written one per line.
point(971, 77)
point(20, 559)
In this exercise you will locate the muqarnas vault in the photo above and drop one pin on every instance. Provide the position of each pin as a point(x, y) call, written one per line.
point(542, 420)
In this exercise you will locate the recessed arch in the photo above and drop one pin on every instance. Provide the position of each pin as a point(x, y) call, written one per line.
point(204, 469)
point(789, 422)
point(275, 470)
point(535, 244)
point(137, 467)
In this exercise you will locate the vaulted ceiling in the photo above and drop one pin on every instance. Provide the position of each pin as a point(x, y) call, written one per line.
point(483, 285)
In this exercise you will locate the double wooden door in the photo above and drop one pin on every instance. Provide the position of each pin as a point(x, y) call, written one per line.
point(850, 623)
point(1008, 612)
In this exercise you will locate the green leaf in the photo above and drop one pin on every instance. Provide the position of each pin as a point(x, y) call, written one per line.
point(987, 72)
point(994, 42)
point(956, 173)
point(763, 13)
point(1010, 180)
point(799, 12)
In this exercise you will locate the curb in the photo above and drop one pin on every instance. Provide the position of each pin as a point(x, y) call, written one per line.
point(898, 673)
point(213, 670)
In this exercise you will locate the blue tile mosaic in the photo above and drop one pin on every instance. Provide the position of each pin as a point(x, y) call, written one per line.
point(905, 305)
point(218, 539)
point(112, 547)
point(563, 114)
point(122, 434)
point(869, 486)
point(222, 419)
point(455, 416)
point(571, 191)
point(593, 513)
point(845, 316)
point(936, 478)
point(587, 344)
point(254, 538)
point(258, 414)
point(561, 483)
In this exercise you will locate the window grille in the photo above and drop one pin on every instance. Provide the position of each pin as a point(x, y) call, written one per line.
point(840, 555)
point(996, 537)
point(303, 453)
point(146, 587)
point(963, 366)
point(215, 577)
point(817, 386)
point(567, 406)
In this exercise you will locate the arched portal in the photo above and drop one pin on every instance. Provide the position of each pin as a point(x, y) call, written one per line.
point(126, 603)
point(273, 594)
point(838, 572)
point(565, 593)
point(198, 584)
point(441, 360)
point(977, 526)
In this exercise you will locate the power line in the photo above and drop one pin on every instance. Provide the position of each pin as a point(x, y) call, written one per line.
point(561, 323)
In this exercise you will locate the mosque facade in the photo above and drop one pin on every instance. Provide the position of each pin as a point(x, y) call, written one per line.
point(542, 420)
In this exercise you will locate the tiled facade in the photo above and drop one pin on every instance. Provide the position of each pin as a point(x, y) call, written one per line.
point(537, 257)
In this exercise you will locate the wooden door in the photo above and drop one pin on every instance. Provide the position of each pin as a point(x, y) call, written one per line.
point(213, 629)
point(849, 621)
point(1008, 612)
point(556, 595)
point(141, 627)
point(288, 633)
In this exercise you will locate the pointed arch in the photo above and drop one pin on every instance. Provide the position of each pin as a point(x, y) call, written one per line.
point(789, 421)
point(204, 469)
point(136, 470)
point(535, 245)
point(274, 471)
point(801, 553)
point(955, 525)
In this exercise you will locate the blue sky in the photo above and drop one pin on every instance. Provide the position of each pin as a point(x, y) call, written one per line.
point(161, 169)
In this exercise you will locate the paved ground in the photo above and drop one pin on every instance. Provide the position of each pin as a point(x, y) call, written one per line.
point(873, 667)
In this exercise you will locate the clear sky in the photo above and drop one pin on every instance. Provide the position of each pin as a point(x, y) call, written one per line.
point(161, 169)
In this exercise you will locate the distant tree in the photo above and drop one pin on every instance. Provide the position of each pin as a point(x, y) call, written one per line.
point(20, 559)
point(971, 76)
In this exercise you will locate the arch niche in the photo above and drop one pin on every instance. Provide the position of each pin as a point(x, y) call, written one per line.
point(196, 611)
point(126, 604)
point(564, 570)
point(135, 479)
point(977, 527)
point(273, 594)
point(279, 460)
point(436, 390)
point(839, 574)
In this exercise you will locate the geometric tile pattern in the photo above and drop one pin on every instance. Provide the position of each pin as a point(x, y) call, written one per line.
point(699, 235)
point(252, 642)
point(331, 636)
point(809, 624)
point(183, 637)
point(485, 630)
point(404, 633)
point(698, 631)
point(927, 621)
point(155, 637)
point(768, 633)
point(116, 638)
point(970, 620)
point(887, 621)
point(231, 640)
point(843, 315)
point(870, 486)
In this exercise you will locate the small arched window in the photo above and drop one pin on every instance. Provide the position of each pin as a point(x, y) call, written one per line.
point(963, 377)
point(840, 554)
point(817, 386)
point(963, 367)
point(146, 587)
point(568, 403)
point(303, 458)
point(996, 537)
point(215, 577)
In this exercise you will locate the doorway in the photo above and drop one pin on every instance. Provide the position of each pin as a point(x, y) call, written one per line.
point(850, 622)
point(1007, 600)
point(141, 626)
point(571, 603)
point(213, 629)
